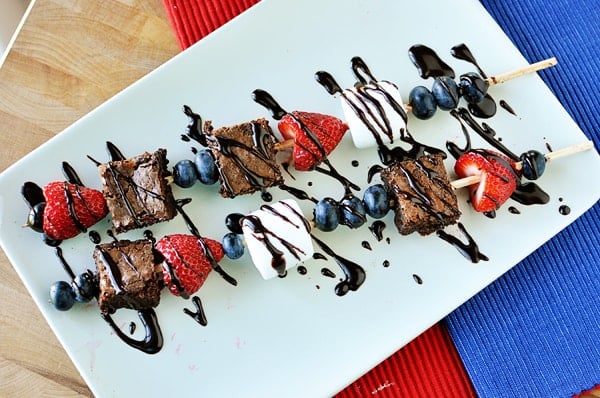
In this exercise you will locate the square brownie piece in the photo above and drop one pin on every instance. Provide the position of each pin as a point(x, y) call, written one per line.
point(130, 275)
point(137, 191)
point(244, 156)
point(423, 199)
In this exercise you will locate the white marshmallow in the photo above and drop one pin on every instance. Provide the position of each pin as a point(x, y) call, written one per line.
point(374, 108)
point(277, 237)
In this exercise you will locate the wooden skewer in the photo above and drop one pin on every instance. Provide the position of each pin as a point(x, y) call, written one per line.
point(546, 63)
point(581, 147)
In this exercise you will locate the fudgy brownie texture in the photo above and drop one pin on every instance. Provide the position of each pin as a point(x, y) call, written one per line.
point(244, 156)
point(423, 199)
point(130, 275)
point(137, 192)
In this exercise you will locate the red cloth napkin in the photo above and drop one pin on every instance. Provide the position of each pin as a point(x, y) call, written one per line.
point(427, 367)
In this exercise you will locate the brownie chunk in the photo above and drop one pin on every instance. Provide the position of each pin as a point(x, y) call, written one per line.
point(137, 192)
point(244, 156)
point(424, 200)
point(130, 275)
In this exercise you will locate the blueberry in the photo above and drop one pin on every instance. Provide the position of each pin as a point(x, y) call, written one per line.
point(84, 287)
point(534, 164)
point(422, 102)
point(184, 173)
point(376, 201)
point(232, 245)
point(206, 167)
point(61, 295)
point(327, 215)
point(472, 87)
point(35, 219)
point(353, 212)
point(445, 92)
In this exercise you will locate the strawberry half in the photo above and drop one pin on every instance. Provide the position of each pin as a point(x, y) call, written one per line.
point(71, 209)
point(187, 262)
point(498, 178)
point(315, 136)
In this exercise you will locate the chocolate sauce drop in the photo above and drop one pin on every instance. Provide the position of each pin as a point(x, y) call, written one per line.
point(355, 163)
point(94, 237)
point(507, 107)
point(319, 256)
point(132, 327)
point(386, 263)
point(328, 82)
point(366, 245)
point(564, 210)
point(298, 193)
point(417, 279)
point(428, 63)
point(194, 127)
point(354, 273)
point(302, 270)
point(469, 250)
point(530, 193)
point(327, 272)
point(199, 315)
point(233, 222)
point(513, 210)
point(377, 228)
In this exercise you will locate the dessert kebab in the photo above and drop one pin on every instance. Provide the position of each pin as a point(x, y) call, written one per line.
point(242, 158)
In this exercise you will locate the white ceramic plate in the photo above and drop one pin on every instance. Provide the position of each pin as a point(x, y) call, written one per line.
point(294, 336)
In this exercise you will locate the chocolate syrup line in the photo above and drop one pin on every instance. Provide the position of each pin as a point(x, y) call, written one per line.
point(114, 153)
point(32, 193)
point(377, 229)
point(468, 249)
point(298, 193)
point(199, 315)
point(71, 205)
point(70, 174)
point(153, 340)
point(209, 255)
point(462, 52)
point(194, 128)
point(354, 273)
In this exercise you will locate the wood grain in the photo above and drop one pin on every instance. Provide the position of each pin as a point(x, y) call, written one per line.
point(70, 56)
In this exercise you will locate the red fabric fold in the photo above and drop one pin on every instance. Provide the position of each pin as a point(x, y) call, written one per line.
point(427, 367)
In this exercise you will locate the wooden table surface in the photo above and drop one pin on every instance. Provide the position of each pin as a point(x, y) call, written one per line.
point(69, 57)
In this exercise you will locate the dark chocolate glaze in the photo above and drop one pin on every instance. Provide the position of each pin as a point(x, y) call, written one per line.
point(354, 273)
point(94, 237)
point(327, 273)
point(417, 279)
point(302, 270)
point(319, 256)
point(468, 249)
point(513, 210)
point(233, 222)
point(199, 315)
point(70, 174)
point(386, 263)
point(194, 127)
point(507, 107)
point(462, 52)
point(366, 245)
point(153, 340)
point(298, 193)
point(32, 193)
point(564, 210)
point(428, 63)
point(484, 109)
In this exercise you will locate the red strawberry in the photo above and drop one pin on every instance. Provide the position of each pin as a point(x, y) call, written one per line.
point(498, 179)
point(71, 209)
point(315, 135)
point(187, 261)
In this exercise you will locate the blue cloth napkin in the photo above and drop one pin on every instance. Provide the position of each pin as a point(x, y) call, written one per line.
point(535, 332)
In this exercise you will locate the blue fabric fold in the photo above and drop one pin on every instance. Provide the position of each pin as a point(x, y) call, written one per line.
point(535, 332)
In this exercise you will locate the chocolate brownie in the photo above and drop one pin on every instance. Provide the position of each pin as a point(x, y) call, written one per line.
point(423, 199)
point(130, 275)
point(244, 156)
point(137, 191)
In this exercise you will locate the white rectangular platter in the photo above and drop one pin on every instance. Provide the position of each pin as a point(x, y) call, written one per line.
point(293, 336)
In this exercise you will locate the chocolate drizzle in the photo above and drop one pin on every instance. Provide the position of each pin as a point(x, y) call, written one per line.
point(199, 315)
point(267, 237)
point(428, 63)
point(354, 273)
point(468, 249)
point(153, 340)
